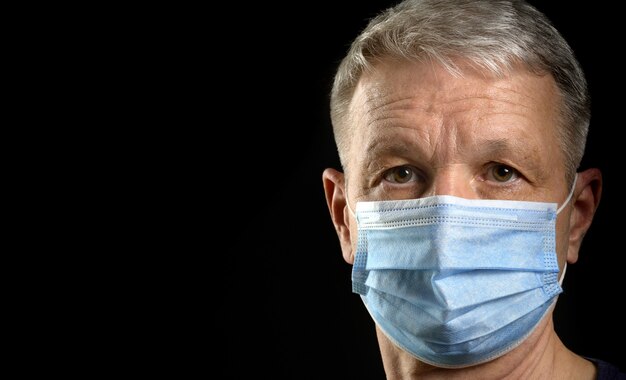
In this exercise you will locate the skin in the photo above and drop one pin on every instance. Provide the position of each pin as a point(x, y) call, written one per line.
point(420, 131)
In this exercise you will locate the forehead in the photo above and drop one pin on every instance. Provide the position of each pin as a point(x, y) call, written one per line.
point(426, 84)
point(425, 103)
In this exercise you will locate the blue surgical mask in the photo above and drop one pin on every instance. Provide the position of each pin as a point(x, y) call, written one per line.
point(457, 282)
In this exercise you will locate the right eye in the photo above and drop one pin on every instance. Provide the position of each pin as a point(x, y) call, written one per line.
point(400, 175)
point(503, 173)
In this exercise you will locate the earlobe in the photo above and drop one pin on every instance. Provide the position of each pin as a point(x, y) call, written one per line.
point(334, 189)
point(587, 198)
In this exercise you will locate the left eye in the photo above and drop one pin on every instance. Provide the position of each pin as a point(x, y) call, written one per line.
point(503, 173)
point(400, 174)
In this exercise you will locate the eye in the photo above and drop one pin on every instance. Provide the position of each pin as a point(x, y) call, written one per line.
point(502, 173)
point(400, 174)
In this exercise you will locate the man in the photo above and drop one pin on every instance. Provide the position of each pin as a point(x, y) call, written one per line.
point(460, 126)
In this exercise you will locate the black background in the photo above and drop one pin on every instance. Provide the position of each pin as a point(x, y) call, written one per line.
point(289, 310)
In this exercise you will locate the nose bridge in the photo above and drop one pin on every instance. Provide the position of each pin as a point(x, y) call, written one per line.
point(452, 180)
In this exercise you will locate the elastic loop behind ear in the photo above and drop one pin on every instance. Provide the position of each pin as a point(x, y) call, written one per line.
point(348, 203)
point(569, 197)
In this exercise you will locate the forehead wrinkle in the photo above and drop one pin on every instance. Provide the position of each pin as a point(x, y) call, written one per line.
point(385, 142)
point(491, 99)
point(486, 102)
point(381, 110)
point(511, 89)
point(378, 105)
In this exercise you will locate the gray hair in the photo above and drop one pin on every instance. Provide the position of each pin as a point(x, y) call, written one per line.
point(492, 35)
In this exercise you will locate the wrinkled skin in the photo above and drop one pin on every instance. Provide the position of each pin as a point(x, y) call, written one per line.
point(420, 131)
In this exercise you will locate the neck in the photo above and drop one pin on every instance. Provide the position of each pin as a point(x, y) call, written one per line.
point(541, 356)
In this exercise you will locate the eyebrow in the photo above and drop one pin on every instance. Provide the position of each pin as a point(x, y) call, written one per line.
point(383, 146)
point(500, 146)
point(488, 149)
point(393, 144)
point(497, 147)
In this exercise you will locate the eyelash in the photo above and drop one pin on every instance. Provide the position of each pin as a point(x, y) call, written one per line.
point(490, 173)
point(415, 175)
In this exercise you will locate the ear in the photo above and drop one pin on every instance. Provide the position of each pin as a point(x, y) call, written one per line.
point(587, 198)
point(334, 188)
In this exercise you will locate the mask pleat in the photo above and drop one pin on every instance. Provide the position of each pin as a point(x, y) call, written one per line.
point(454, 281)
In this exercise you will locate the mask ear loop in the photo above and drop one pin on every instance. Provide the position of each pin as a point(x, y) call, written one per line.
point(563, 274)
point(348, 204)
point(569, 198)
point(348, 200)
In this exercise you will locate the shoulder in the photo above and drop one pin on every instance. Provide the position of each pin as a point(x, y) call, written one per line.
point(607, 371)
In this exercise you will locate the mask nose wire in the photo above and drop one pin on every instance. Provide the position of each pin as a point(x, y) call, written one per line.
point(569, 198)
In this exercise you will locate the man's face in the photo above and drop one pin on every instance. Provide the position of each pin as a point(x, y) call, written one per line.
point(420, 131)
